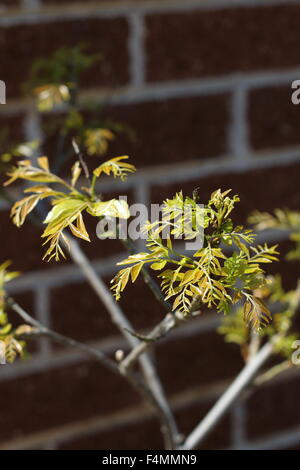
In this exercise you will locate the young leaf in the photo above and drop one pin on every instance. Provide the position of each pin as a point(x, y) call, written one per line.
point(116, 166)
point(256, 313)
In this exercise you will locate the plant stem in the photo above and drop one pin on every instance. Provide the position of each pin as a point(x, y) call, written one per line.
point(93, 184)
point(273, 372)
point(133, 378)
point(164, 412)
point(228, 398)
point(170, 321)
point(57, 337)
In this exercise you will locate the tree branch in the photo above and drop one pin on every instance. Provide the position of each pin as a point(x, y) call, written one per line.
point(273, 372)
point(130, 376)
point(228, 398)
point(57, 337)
point(170, 321)
point(169, 427)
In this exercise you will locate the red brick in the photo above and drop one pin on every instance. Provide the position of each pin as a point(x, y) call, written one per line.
point(29, 42)
point(12, 129)
point(22, 245)
point(10, 3)
point(26, 301)
point(153, 134)
point(11, 134)
point(141, 307)
point(136, 436)
point(273, 408)
point(81, 315)
point(173, 130)
point(273, 118)
point(189, 416)
point(58, 146)
point(196, 360)
point(262, 189)
point(294, 447)
point(145, 435)
point(52, 398)
point(217, 42)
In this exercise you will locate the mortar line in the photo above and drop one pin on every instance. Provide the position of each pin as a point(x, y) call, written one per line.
point(136, 50)
point(109, 345)
point(107, 10)
point(163, 90)
point(130, 414)
point(28, 4)
point(274, 441)
point(42, 310)
point(238, 420)
point(238, 134)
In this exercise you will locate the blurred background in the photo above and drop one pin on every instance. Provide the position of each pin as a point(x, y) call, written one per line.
point(198, 94)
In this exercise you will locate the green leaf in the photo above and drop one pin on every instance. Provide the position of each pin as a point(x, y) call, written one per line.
point(113, 208)
point(158, 265)
point(135, 271)
point(115, 166)
point(256, 313)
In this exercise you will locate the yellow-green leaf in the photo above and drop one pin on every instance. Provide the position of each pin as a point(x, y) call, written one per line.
point(158, 265)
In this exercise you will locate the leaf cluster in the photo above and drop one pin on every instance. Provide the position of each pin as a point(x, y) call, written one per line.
point(284, 306)
point(10, 345)
point(68, 202)
point(209, 275)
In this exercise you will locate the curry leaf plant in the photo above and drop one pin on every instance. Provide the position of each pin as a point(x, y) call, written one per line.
point(216, 278)
point(10, 345)
point(68, 201)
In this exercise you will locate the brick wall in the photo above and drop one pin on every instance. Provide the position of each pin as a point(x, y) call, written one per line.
point(205, 84)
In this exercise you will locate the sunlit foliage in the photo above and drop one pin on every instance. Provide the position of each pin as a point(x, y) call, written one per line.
point(216, 278)
point(68, 201)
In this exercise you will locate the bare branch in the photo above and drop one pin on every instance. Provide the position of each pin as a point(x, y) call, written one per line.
point(273, 372)
point(57, 337)
point(228, 398)
point(169, 427)
point(254, 345)
point(130, 376)
point(170, 321)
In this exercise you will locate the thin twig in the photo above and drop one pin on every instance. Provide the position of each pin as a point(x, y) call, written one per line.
point(228, 398)
point(81, 159)
point(255, 342)
point(131, 377)
point(273, 372)
point(57, 337)
point(170, 321)
point(169, 427)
